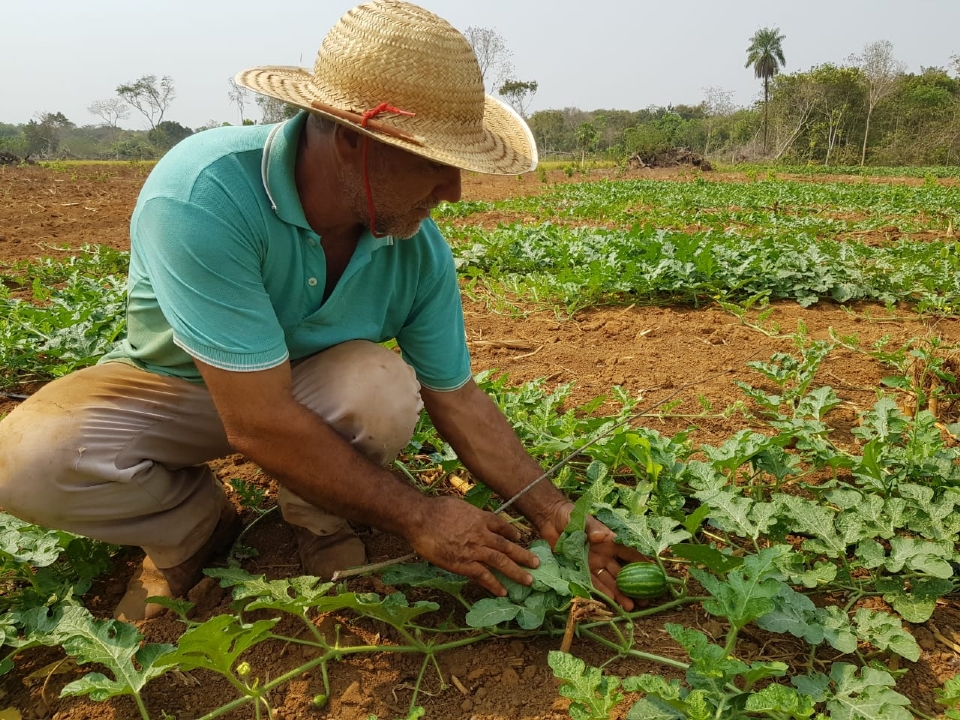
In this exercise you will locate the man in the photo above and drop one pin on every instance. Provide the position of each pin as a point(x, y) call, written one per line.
point(266, 264)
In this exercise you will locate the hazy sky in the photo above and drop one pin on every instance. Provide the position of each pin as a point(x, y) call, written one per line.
point(61, 55)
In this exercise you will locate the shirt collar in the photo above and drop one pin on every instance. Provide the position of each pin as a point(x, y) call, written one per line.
point(279, 180)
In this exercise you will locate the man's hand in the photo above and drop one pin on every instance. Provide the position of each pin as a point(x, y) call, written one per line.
point(486, 444)
point(605, 554)
point(462, 539)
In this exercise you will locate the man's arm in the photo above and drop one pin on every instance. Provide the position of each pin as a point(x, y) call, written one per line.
point(486, 444)
point(265, 422)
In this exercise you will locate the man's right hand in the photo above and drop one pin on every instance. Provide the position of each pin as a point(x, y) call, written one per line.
point(462, 539)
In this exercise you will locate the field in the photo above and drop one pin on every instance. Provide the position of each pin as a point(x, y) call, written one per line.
point(768, 362)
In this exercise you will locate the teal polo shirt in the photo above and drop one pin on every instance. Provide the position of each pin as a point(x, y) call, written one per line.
point(224, 268)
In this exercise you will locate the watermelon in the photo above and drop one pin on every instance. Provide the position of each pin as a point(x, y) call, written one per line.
point(642, 580)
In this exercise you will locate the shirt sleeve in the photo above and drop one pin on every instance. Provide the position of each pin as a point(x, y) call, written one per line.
point(206, 273)
point(433, 339)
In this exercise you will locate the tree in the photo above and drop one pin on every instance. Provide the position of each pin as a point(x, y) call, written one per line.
point(796, 100)
point(586, 137)
point(167, 134)
point(547, 127)
point(519, 93)
point(273, 110)
point(493, 56)
point(718, 106)
point(922, 120)
point(149, 97)
point(111, 111)
point(881, 72)
point(765, 55)
point(838, 98)
point(43, 133)
point(239, 96)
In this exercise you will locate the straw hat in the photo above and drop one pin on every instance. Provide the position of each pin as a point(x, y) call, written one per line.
point(388, 56)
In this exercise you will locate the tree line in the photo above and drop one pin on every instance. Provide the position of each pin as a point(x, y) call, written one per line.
point(51, 135)
point(867, 109)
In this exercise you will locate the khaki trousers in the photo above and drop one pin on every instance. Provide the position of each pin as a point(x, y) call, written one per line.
point(118, 454)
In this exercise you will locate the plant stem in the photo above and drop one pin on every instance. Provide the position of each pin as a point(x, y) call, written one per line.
point(330, 654)
point(628, 616)
point(634, 653)
point(247, 529)
point(143, 708)
point(416, 685)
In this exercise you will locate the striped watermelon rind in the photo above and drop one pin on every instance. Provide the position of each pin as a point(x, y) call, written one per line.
point(642, 580)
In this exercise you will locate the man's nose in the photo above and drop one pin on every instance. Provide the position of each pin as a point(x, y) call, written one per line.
point(449, 187)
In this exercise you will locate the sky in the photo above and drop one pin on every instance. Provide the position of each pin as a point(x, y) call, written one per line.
point(61, 55)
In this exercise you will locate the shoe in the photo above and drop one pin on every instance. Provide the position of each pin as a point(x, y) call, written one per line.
point(176, 581)
point(322, 555)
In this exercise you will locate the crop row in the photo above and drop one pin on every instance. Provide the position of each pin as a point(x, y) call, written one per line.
point(820, 209)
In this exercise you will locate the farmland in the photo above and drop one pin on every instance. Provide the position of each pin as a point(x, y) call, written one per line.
point(768, 328)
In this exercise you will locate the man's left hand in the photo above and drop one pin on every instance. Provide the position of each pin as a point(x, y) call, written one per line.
point(605, 554)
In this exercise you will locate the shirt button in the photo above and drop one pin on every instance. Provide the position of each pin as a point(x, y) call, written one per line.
point(311, 242)
point(312, 282)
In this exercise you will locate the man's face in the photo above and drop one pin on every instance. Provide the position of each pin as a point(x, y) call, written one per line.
point(405, 188)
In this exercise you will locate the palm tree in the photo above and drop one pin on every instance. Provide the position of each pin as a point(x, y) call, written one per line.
point(765, 54)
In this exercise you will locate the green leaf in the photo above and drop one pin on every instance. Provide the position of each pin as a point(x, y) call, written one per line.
point(866, 697)
point(748, 591)
point(707, 556)
point(534, 610)
point(116, 646)
point(762, 670)
point(594, 695)
point(712, 668)
point(574, 552)
point(729, 511)
point(694, 520)
point(488, 612)
point(793, 613)
point(394, 609)
point(596, 492)
point(817, 520)
point(548, 575)
point(816, 685)
point(424, 574)
point(885, 632)
point(29, 544)
point(516, 592)
point(57, 627)
point(699, 707)
point(793, 568)
point(882, 516)
point(837, 629)
point(934, 516)
point(923, 556)
point(177, 605)
point(292, 595)
point(649, 708)
point(656, 685)
point(871, 554)
point(780, 699)
point(949, 694)
point(912, 608)
point(217, 643)
point(650, 534)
